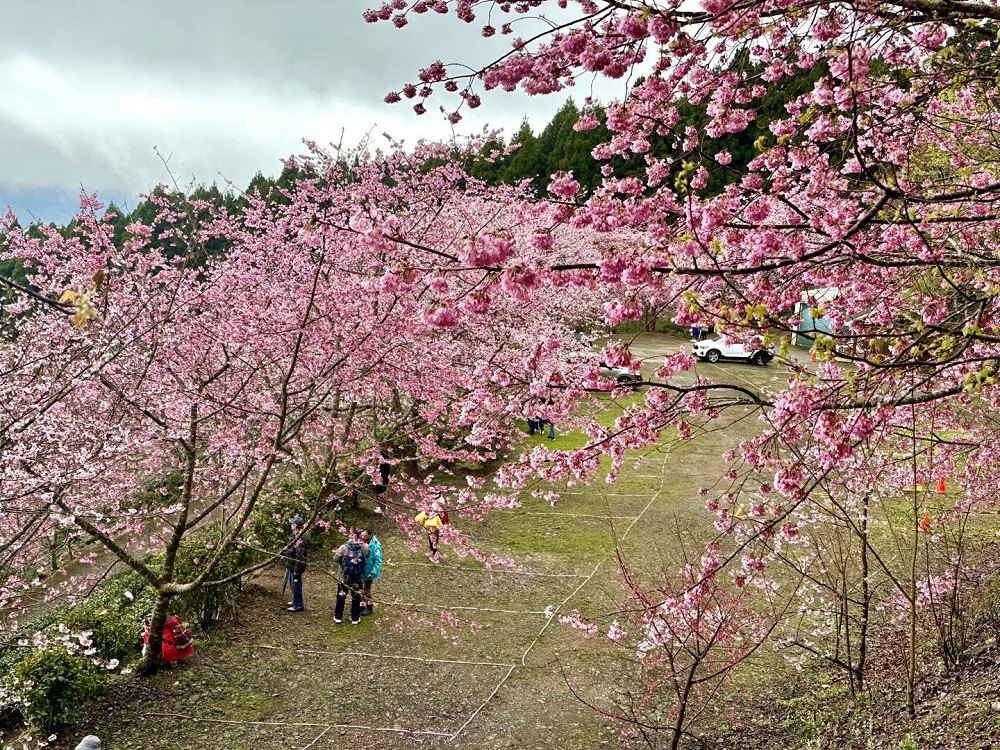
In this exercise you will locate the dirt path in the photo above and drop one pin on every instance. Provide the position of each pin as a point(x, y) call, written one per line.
point(456, 656)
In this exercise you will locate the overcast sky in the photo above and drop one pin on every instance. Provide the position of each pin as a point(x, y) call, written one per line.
point(221, 88)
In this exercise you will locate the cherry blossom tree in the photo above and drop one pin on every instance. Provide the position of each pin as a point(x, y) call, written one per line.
point(690, 632)
point(320, 334)
point(869, 202)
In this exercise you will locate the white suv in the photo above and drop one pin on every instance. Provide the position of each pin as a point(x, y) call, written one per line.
point(712, 350)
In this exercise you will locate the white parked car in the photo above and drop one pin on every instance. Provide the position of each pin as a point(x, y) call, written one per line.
point(712, 350)
point(621, 375)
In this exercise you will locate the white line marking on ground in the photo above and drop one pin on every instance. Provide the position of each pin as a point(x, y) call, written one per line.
point(417, 605)
point(484, 704)
point(575, 515)
point(318, 738)
point(327, 727)
point(609, 495)
point(555, 612)
point(483, 570)
point(385, 656)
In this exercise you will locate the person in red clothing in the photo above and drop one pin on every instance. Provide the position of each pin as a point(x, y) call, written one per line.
point(177, 641)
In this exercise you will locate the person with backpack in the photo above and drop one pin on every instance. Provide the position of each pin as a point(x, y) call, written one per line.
point(351, 556)
point(296, 553)
point(373, 569)
point(177, 643)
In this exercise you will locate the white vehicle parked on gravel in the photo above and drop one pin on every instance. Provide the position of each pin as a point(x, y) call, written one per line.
point(712, 350)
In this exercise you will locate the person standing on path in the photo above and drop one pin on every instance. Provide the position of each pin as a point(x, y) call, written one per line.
point(384, 472)
point(548, 405)
point(432, 522)
point(373, 568)
point(351, 557)
point(296, 554)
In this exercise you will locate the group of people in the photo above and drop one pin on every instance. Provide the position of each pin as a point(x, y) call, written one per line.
point(538, 425)
point(359, 560)
point(537, 409)
point(698, 332)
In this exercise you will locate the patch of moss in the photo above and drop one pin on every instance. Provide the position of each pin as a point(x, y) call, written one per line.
point(558, 535)
point(248, 707)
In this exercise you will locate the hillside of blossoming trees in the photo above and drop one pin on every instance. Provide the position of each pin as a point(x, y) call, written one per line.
point(399, 308)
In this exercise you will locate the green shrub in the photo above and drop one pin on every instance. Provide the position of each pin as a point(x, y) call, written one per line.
point(649, 324)
point(113, 617)
point(269, 525)
point(115, 632)
point(205, 604)
point(54, 685)
point(113, 614)
point(155, 488)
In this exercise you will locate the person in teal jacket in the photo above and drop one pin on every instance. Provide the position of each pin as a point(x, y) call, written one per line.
point(373, 569)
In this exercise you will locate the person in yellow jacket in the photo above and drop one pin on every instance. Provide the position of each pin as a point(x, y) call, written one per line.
point(432, 522)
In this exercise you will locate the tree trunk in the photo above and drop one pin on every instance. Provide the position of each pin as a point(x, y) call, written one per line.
point(865, 600)
point(682, 705)
point(151, 660)
point(911, 660)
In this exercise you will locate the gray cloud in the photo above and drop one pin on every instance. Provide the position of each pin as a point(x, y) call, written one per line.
point(222, 89)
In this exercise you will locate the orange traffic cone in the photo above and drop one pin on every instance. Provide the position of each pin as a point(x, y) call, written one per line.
point(925, 520)
point(942, 488)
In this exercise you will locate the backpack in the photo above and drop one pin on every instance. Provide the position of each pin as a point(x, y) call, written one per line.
point(180, 636)
point(353, 563)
